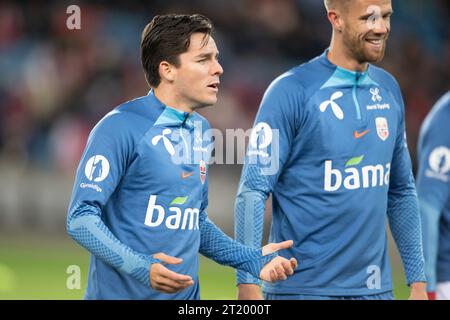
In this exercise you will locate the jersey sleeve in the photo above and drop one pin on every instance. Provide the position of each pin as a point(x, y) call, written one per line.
point(403, 209)
point(104, 161)
point(433, 187)
point(216, 245)
point(269, 147)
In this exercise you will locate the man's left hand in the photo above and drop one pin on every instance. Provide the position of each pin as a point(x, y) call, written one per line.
point(278, 268)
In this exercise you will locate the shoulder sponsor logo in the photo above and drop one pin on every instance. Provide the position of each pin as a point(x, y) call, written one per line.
point(91, 186)
point(260, 138)
point(334, 106)
point(439, 164)
point(382, 128)
point(96, 170)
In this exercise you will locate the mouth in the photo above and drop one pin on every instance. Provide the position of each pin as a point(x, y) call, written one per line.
point(214, 86)
point(375, 42)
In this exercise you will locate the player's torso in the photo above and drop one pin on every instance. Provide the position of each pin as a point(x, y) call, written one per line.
point(155, 206)
point(441, 172)
point(160, 196)
point(341, 155)
point(351, 129)
point(443, 266)
point(333, 189)
point(433, 176)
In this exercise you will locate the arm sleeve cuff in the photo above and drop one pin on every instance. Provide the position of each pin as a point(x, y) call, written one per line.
point(217, 246)
point(85, 227)
point(404, 220)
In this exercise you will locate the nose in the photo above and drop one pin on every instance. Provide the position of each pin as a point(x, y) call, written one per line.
point(217, 69)
point(381, 26)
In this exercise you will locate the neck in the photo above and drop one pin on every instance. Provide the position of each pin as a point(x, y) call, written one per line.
point(166, 96)
point(339, 55)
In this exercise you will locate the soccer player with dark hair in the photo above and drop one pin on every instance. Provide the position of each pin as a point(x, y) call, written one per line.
point(140, 195)
point(433, 189)
point(334, 128)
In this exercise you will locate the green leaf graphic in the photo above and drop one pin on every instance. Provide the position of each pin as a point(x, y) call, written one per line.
point(179, 200)
point(354, 161)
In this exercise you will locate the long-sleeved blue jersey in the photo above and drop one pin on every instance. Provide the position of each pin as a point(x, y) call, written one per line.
point(329, 145)
point(433, 188)
point(140, 189)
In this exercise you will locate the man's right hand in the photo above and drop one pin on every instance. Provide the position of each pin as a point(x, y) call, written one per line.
point(165, 280)
point(248, 291)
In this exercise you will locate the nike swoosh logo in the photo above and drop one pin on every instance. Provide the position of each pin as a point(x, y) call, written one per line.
point(185, 175)
point(358, 135)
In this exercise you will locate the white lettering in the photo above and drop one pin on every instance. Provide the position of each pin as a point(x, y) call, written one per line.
point(374, 280)
point(371, 175)
point(329, 173)
point(156, 214)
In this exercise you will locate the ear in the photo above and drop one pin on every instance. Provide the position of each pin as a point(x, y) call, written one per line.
point(336, 20)
point(167, 71)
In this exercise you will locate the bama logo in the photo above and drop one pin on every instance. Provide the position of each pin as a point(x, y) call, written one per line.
point(352, 177)
point(175, 219)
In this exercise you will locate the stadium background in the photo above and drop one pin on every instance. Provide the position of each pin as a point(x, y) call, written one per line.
point(55, 84)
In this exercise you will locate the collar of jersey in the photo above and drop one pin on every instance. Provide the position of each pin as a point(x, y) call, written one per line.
point(171, 116)
point(345, 77)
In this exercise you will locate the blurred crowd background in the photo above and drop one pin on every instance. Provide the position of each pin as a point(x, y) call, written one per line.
point(55, 83)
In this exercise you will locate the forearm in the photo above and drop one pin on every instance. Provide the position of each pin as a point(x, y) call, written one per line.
point(216, 245)
point(430, 228)
point(249, 224)
point(85, 226)
point(405, 224)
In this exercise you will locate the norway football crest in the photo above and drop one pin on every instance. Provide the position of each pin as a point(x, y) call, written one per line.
point(382, 128)
point(202, 171)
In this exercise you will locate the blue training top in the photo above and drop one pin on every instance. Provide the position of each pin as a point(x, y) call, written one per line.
point(329, 145)
point(141, 188)
point(433, 188)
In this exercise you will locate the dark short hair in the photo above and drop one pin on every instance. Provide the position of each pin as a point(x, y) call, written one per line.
point(165, 38)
